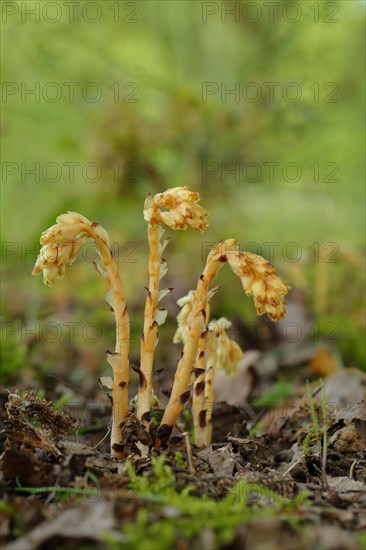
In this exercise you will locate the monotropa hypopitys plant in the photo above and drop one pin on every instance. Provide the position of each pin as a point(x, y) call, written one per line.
point(60, 246)
point(205, 343)
point(259, 279)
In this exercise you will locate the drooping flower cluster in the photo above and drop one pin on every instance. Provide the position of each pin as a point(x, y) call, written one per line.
point(257, 275)
point(177, 208)
point(62, 242)
point(60, 246)
point(259, 279)
point(229, 353)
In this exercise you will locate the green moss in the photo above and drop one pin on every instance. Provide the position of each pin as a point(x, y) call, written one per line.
point(179, 460)
point(170, 514)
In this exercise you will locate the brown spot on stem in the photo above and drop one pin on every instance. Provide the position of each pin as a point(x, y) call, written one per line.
point(199, 387)
point(143, 436)
point(95, 224)
point(201, 354)
point(223, 259)
point(121, 425)
point(202, 419)
point(155, 325)
point(142, 381)
point(202, 277)
point(122, 384)
point(146, 416)
point(143, 336)
point(118, 447)
point(185, 397)
point(197, 372)
point(163, 436)
point(181, 353)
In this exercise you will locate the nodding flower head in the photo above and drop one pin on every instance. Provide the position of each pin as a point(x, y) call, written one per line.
point(229, 353)
point(177, 208)
point(62, 242)
point(259, 279)
point(257, 275)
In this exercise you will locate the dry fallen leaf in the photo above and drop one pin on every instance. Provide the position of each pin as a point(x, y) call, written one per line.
point(26, 434)
point(222, 460)
point(351, 413)
point(88, 520)
point(345, 388)
point(347, 489)
point(22, 463)
point(234, 390)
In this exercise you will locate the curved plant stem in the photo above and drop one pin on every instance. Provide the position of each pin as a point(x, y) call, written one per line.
point(180, 392)
point(119, 359)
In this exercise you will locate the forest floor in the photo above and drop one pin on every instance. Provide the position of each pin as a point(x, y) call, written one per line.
point(286, 470)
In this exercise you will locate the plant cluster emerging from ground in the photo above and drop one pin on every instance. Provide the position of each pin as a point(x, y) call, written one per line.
point(205, 344)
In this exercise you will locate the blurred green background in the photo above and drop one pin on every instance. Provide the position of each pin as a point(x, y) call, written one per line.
point(129, 97)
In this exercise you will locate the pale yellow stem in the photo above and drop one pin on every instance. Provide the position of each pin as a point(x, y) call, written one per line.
point(150, 331)
point(119, 360)
point(180, 392)
point(198, 398)
point(209, 384)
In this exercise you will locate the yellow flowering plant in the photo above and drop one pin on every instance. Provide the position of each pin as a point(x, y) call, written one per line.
point(205, 344)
